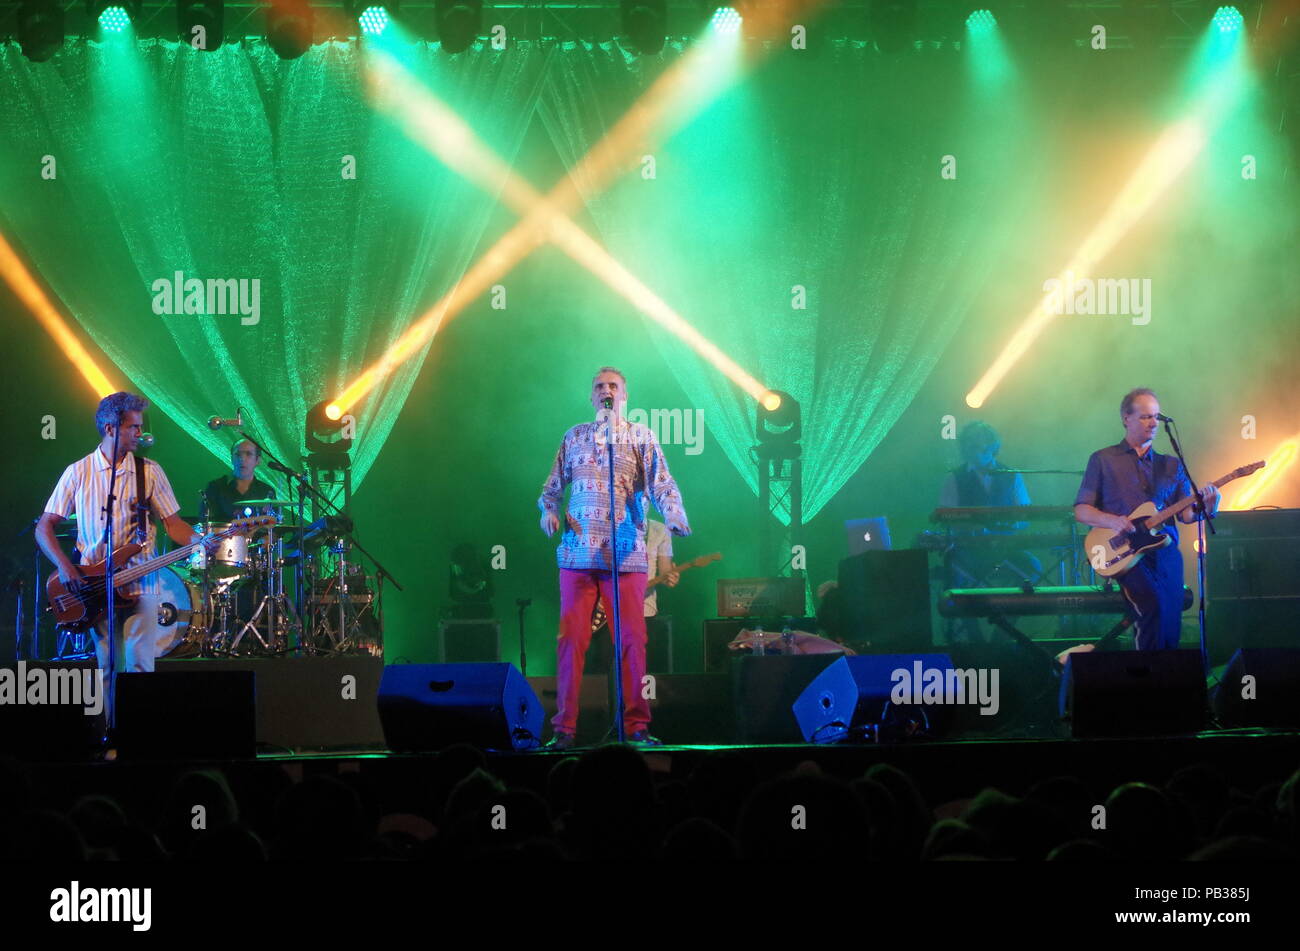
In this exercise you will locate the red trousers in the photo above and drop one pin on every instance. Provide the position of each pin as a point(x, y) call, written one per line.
point(579, 591)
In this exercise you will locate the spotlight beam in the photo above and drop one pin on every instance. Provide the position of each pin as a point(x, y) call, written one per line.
point(432, 124)
point(34, 298)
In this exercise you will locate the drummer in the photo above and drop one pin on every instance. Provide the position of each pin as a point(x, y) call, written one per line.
point(225, 496)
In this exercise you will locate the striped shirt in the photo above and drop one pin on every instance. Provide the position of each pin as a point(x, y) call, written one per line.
point(639, 470)
point(83, 489)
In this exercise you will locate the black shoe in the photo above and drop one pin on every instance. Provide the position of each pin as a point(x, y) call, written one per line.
point(643, 738)
point(561, 741)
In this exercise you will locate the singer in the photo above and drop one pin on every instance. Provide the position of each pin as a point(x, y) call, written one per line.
point(1118, 479)
point(589, 563)
point(83, 489)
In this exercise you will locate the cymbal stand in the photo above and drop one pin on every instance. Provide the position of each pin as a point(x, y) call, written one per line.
point(345, 633)
point(274, 603)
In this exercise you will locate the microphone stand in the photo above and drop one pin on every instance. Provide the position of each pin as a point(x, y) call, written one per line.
point(616, 624)
point(1205, 517)
point(109, 572)
point(523, 647)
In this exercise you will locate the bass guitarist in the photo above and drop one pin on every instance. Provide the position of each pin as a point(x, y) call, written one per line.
point(83, 489)
point(1120, 478)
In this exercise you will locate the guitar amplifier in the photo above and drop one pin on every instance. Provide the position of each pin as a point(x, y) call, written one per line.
point(1252, 566)
point(760, 597)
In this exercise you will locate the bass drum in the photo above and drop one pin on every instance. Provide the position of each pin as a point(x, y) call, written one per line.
point(184, 615)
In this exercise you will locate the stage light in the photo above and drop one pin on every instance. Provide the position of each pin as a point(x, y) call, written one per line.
point(373, 20)
point(289, 27)
point(644, 23)
point(458, 23)
point(113, 16)
point(325, 432)
point(333, 411)
point(201, 24)
point(981, 22)
point(40, 29)
point(778, 428)
point(725, 20)
point(1228, 20)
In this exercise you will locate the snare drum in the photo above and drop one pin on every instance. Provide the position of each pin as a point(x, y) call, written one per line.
point(230, 560)
point(183, 615)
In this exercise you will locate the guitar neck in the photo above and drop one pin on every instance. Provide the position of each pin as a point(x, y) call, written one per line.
point(152, 565)
point(1166, 514)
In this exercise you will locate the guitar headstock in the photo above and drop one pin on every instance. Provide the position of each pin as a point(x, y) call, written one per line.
point(703, 560)
point(1247, 470)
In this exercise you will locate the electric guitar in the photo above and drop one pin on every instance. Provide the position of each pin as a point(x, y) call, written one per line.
point(1113, 553)
point(598, 617)
point(81, 610)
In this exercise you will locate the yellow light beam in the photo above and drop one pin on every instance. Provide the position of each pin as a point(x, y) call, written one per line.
point(1277, 463)
point(1176, 148)
point(35, 300)
point(677, 93)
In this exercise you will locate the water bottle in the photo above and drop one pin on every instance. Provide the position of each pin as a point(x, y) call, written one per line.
point(757, 640)
point(787, 639)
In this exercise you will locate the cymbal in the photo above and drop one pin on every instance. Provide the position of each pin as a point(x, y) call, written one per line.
point(281, 502)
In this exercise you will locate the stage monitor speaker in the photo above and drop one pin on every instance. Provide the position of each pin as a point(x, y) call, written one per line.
point(431, 706)
point(210, 714)
point(764, 688)
point(469, 642)
point(885, 601)
point(854, 694)
point(1134, 693)
point(45, 730)
point(1253, 596)
point(1271, 695)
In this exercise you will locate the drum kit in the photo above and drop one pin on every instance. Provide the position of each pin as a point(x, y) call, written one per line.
point(230, 600)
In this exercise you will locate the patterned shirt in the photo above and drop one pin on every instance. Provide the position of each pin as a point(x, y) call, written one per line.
point(83, 489)
point(1117, 481)
point(639, 470)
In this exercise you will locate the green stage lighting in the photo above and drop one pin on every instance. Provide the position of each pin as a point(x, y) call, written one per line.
point(114, 19)
point(1228, 19)
point(981, 22)
point(725, 20)
point(374, 20)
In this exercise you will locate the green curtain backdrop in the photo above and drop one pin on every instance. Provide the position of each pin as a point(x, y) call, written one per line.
point(230, 164)
point(818, 172)
point(823, 173)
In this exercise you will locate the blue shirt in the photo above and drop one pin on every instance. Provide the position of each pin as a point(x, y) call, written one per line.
point(1117, 481)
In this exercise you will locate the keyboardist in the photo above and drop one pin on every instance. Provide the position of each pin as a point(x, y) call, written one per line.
point(981, 481)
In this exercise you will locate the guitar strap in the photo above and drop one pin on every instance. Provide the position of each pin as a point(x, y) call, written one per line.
point(141, 504)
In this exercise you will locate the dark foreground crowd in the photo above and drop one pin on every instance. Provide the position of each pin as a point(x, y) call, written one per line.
point(608, 804)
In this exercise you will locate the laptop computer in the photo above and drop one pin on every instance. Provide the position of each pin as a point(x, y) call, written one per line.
point(867, 534)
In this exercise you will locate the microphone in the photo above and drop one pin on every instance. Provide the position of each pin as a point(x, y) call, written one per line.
point(1163, 418)
point(216, 422)
point(145, 441)
point(607, 402)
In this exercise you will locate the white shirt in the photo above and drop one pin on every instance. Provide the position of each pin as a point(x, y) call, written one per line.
point(658, 541)
point(83, 489)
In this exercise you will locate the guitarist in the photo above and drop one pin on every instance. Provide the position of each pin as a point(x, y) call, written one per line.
point(83, 489)
point(1118, 479)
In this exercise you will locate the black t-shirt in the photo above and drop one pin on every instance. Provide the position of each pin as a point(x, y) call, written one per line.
point(225, 503)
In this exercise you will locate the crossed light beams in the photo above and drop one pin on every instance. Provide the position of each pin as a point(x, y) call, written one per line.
point(678, 95)
point(30, 293)
point(1176, 148)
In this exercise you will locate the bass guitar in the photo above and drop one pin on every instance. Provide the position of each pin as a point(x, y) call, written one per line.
point(81, 610)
